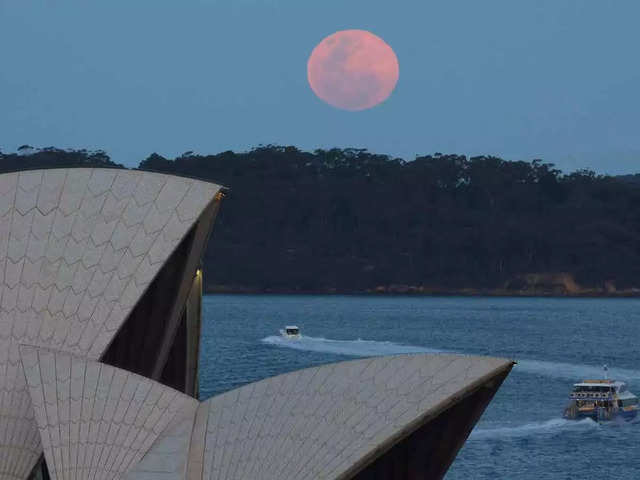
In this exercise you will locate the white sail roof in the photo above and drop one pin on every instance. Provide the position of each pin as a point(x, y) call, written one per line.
point(321, 422)
point(98, 421)
point(78, 247)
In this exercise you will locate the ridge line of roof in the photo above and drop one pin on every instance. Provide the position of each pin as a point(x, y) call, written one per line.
point(423, 418)
point(223, 188)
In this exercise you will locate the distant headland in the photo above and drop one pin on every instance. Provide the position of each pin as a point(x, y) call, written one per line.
point(352, 221)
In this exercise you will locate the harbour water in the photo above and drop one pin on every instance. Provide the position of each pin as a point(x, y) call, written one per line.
point(522, 434)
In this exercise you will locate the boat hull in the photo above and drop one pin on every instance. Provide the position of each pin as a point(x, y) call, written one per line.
point(627, 415)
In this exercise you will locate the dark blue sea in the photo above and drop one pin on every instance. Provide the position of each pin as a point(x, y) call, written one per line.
point(522, 434)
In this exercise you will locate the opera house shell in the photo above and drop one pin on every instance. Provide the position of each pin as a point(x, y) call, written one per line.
point(100, 311)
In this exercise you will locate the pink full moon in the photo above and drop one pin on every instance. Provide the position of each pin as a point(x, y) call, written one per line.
point(353, 70)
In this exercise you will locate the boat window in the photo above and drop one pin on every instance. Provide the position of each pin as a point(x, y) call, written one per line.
point(593, 389)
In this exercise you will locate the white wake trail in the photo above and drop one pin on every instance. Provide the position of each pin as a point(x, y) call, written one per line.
point(355, 348)
point(536, 428)
point(372, 348)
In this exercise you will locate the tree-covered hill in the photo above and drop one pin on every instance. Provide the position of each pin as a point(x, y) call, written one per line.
point(28, 158)
point(352, 221)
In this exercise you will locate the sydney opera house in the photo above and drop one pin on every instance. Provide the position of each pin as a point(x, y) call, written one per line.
point(100, 311)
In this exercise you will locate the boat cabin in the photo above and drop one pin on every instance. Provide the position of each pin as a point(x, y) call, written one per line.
point(291, 330)
point(601, 400)
point(596, 389)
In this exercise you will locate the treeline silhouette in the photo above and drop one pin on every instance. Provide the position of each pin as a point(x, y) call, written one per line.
point(28, 158)
point(347, 220)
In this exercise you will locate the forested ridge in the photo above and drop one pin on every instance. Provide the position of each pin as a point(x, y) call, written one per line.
point(348, 220)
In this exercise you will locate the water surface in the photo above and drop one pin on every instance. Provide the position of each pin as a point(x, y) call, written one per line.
point(522, 433)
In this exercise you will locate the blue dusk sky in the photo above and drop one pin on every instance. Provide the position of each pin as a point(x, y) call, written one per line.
point(550, 79)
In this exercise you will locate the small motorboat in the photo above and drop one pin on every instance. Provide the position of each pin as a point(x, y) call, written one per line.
point(601, 400)
point(291, 332)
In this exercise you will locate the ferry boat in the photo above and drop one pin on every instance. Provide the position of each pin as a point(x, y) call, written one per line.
point(291, 332)
point(601, 400)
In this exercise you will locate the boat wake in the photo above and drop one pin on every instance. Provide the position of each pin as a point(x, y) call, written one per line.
point(529, 429)
point(354, 348)
point(372, 348)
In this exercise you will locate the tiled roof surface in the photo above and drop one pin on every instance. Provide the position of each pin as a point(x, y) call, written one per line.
point(100, 422)
point(78, 247)
point(168, 456)
point(319, 422)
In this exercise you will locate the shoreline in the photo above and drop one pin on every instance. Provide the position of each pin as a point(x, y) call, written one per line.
point(424, 292)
